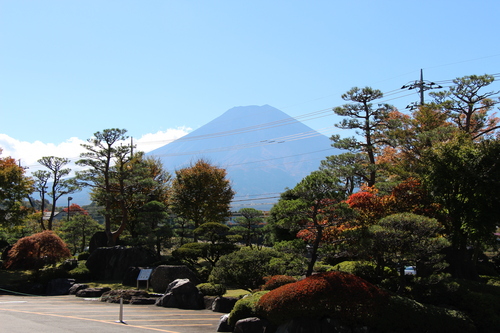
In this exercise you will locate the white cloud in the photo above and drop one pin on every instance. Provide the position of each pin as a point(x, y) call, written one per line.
point(151, 141)
point(30, 152)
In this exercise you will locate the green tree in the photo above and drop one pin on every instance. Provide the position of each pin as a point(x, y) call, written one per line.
point(469, 108)
point(315, 203)
point(103, 150)
point(201, 193)
point(406, 239)
point(153, 226)
point(42, 178)
point(78, 230)
point(217, 242)
point(136, 182)
point(247, 267)
point(250, 222)
point(369, 124)
point(14, 187)
point(464, 177)
point(59, 185)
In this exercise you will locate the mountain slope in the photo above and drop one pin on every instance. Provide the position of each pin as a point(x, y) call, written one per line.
point(262, 148)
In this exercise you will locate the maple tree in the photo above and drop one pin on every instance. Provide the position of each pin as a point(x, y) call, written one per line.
point(35, 251)
point(14, 187)
point(201, 193)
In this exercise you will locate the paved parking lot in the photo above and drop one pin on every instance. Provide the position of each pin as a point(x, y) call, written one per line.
point(57, 314)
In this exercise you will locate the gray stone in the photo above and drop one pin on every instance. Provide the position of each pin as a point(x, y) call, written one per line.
point(303, 325)
point(77, 286)
point(223, 324)
point(111, 263)
point(224, 304)
point(59, 286)
point(163, 275)
point(92, 292)
point(182, 294)
point(252, 325)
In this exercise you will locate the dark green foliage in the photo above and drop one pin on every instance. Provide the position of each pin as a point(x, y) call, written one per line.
point(83, 255)
point(211, 289)
point(338, 295)
point(246, 268)
point(276, 281)
point(80, 273)
point(245, 307)
point(401, 314)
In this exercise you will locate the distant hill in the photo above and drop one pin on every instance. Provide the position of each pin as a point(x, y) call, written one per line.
point(262, 148)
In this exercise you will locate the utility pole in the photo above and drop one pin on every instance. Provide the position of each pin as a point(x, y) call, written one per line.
point(422, 86)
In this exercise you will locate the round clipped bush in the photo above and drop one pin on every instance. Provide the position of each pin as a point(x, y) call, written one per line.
point(338, 295)
point(276, 281)
point(211, 289)
point(245, 308)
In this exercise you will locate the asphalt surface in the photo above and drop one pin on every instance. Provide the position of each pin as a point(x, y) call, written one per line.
point(58, 314)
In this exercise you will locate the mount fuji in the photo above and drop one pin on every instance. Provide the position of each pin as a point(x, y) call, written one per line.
point(263, 150)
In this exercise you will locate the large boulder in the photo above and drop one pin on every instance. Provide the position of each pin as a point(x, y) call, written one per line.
point(60, 286)
point(111, 263)
point(163, 275)
point(92, 292)
point(182, 294)
point(223, 324)
point(77, 286)
point(253, 325)
point(224, 304)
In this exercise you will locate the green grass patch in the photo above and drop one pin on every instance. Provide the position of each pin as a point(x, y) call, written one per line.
point(236, 293)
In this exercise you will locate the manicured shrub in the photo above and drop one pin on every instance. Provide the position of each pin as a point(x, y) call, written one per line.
point(212, 289)
point(80, 273)
point(276, 281)
point(339, 295)
point(247, 267)
point(245, 307)
point(402, 314)
point(35, 251)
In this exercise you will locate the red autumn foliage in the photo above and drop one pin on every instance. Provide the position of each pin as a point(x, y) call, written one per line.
point(338, 295)
point(276, 281)
point(407, 197)
point(37, 250)
point(75, 209)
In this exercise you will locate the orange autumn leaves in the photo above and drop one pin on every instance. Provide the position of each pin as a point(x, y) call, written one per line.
point(370, 206)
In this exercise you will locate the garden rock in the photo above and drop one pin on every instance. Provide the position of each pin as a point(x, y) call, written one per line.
point(223, 324)
point(182, 294)
point(224, 304)
point(59, 286)
point(111, 263)
point(130, 276)
point(252, 325)
point(92, 292)
point(163, 275)
point(303, 325)
point(77, 286)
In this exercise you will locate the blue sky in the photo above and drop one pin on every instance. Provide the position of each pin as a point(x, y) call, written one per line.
point(162, 68)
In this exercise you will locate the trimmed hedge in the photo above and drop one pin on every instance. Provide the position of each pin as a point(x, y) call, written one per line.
point(338, 295)
point(211, 289)
point(402, 314)
point(276, 281)
point(245, 307)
